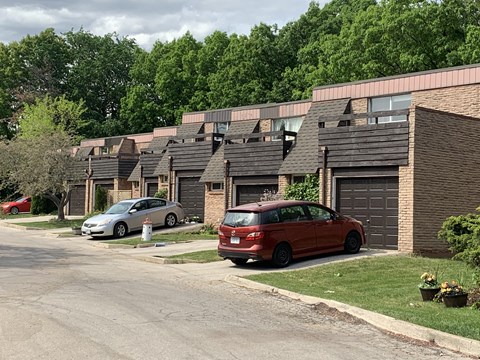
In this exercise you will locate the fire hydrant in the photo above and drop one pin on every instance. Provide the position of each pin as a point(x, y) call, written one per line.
point(147, 230)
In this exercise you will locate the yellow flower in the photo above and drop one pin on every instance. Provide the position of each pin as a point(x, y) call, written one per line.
point(424, 276)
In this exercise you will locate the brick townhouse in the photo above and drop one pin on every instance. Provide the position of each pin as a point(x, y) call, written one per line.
point(398, 153)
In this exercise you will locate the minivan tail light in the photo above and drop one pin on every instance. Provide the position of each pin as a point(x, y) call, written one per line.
point(257, 235)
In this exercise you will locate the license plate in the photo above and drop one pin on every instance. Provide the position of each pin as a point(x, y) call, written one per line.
point(234, 240)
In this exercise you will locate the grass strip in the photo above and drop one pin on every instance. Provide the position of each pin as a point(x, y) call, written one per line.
point(204, 256)
point(170, 237)
point(387, 285)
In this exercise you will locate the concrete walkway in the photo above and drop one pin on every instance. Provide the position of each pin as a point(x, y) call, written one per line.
point(234, 275)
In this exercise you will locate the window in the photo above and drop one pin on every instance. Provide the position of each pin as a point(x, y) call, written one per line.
point(216, 186)
point(397, 102)
point(156, 203)
point(319, 213)
point(288, 124)
point(105, 150)
point(141, 205)
point(220, 128)
point(293, 213)
point(270, 217)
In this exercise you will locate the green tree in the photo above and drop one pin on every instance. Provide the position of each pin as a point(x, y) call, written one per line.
point(306, 190)
point(100, 198)
point(40, 166)
point(176, 77)
point(49, 115)
point(99, 75)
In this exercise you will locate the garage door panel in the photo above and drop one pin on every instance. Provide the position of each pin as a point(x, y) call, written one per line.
point(191, 194)
point(375, 200)
point(252, 193)
point(77, 200)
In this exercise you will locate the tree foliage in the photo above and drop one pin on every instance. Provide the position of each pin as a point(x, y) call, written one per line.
point(307, 190)
point(462, 233)
point(128, 90)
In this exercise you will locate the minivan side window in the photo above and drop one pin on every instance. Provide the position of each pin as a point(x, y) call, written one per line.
point(270, 217)
point(293, 213)
point(319, 213)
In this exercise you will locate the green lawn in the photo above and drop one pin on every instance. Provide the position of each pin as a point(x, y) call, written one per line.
point(198, 256)
point(11, 217)
point(52, 224)
point(387, 285)
point(172, 237)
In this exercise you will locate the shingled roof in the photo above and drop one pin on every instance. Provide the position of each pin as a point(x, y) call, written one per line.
point(214, 172)
point(241, 128)
point(136, 173)
point(190, 129)
point(84, 152)
point(303, 157)
point(158, 143)
point(163, 165)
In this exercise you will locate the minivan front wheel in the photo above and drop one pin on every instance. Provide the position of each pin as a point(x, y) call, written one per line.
point(282, 255)
point(352, 243)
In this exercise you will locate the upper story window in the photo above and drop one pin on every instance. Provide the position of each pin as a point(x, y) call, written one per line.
point(220, 128)
point(287, 124)
point(396, 102)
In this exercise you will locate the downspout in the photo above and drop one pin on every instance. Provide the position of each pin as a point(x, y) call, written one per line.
point(226, 184)
point(170, 173)
point(324, 150)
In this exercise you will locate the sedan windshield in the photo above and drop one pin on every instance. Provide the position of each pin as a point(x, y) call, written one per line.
point(237, 218)
point(120, 208)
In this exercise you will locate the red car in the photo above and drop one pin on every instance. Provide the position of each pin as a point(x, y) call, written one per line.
point(284, 230)
point(20, 205)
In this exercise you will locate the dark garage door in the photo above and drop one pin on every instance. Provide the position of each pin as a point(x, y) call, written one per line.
point(152, 189)
point(374, 199)
point(191, 194)
point(252, 193)
point(77, 200)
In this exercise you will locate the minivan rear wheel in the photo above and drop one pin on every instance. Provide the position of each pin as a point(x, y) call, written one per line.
point(282, 255)
point(239, 262)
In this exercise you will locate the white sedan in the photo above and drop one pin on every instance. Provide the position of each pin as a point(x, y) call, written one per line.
point(129, 215)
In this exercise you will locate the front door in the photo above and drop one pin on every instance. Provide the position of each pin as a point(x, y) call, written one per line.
point(328, 230)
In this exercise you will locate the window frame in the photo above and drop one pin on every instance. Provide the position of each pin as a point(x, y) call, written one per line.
point(286, 120)
point(391, 118)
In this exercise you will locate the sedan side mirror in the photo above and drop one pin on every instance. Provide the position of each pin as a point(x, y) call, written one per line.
point(133, 211)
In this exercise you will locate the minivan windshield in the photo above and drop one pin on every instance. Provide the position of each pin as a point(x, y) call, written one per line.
point(120, 208)
point(241, 218)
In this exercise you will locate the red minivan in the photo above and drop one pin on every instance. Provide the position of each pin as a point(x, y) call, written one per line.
point(284, 230)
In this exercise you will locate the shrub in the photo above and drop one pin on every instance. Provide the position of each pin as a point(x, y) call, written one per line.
point(161, 193)
point(41, 205)
point(100, 198)
point(462, 233)
point(306, 190)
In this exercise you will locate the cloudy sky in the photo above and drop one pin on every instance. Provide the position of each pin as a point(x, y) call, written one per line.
point(144, 20)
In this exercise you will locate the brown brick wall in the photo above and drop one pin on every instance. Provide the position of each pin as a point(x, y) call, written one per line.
point(446, 173)
point(463, 100)
point(359, 106)
point(405, 194)
point(214, 206)
point(283, 182)
point(208, 128)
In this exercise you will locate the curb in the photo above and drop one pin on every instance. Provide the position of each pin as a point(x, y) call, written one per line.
point(456, 343)
point(161, 260)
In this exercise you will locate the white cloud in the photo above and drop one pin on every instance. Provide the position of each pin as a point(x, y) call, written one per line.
point(145, 20)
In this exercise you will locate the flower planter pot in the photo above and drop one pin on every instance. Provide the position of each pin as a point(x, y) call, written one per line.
point(428, 294)
point(456, 300)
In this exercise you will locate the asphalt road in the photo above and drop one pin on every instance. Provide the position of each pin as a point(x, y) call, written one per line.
point(62, 298)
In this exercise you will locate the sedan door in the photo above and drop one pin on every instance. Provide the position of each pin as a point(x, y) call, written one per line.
point(157, 210)
point(328, 228)
point(135, 220)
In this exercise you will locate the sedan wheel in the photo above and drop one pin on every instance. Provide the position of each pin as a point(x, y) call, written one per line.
point(352, 243)
point(120, 230)
point(170, 220)
point(14, 210)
